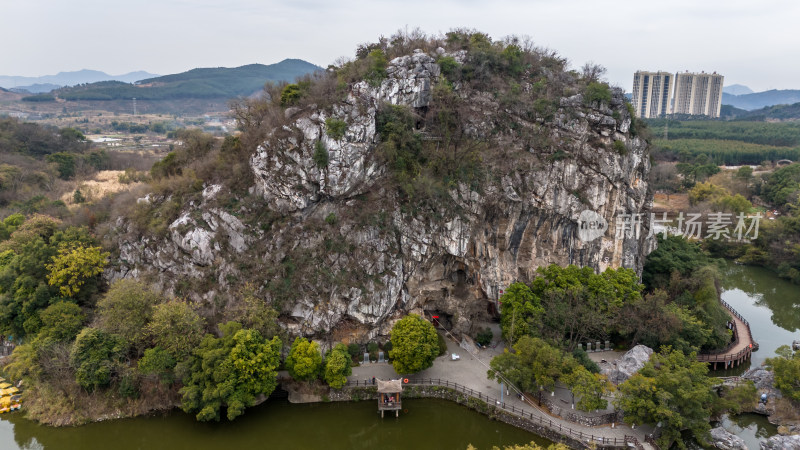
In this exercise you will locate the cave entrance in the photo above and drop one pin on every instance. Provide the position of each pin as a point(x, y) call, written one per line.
point(491, 309)
point(440, 319)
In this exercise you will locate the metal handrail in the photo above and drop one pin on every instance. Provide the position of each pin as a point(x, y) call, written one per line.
point(519, 412)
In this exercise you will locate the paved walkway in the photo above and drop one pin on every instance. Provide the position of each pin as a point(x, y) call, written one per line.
point(471, 371)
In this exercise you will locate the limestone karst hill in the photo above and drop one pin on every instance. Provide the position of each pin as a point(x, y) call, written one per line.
point(425, 175)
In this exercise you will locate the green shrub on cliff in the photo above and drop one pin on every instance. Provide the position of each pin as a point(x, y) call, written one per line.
point(597, 93)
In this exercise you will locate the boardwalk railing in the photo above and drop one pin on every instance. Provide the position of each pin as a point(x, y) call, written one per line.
point(565, 412)
point(724, 356)
point(519, 412)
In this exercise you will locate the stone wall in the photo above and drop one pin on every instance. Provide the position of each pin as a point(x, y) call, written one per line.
point(572, 416)
point(359, 393)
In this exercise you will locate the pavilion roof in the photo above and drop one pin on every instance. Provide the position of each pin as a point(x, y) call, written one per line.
point(389, 386)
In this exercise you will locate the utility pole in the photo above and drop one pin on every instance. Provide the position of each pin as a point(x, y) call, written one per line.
point(134, 106)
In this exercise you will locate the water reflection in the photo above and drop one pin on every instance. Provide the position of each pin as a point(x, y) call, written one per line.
point(428, 424)
point(765, 289)
point(752, 428)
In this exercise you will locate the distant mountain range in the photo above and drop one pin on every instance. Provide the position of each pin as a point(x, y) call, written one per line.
point(219, 82)
point(38, 88)
point(737, 89)
point(774, 112)
point(68, 79)
point(759, 100)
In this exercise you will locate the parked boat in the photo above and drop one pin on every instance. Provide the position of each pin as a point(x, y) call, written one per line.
point(10, 398)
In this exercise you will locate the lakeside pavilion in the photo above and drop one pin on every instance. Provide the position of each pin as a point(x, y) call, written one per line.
point(389, 396)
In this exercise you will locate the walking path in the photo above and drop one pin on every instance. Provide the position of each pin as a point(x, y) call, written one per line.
point(471, 371)
point(743, 344)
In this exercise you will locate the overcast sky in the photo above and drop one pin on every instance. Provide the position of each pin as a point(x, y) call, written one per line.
point(751, 42)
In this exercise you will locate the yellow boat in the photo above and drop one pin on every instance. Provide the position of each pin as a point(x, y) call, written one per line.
point(9, 397)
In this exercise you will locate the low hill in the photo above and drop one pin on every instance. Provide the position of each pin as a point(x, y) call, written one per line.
point(776, 112)
point(71, 78)
point(737, 89)
point(731, 112)
point(8, 96)
point(220, 82)
point(38, 88)
point(758, 100)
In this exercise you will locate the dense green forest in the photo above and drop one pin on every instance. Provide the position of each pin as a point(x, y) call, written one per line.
point(775, 112)
point(730, 153)
point(785, 134)
point(725, 143)
point(197, 83)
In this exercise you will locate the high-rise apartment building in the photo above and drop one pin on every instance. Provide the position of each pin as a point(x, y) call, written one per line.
point(651, 93)
point(694, 93)
point(698, 93)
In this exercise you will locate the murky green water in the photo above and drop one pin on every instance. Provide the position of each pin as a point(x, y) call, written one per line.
point(752, 428)
point(770, 304)
point(277, 424)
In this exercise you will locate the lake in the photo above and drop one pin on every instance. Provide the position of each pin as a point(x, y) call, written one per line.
point(425, 424)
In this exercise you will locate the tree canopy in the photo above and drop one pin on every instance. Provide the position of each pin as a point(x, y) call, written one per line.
point(96, 355)
point(176, 328)
point(786, 367)
point(337, 366)
point(414, 344)
point(536, 365)
point(567, 304)
point(672, 389)
point(304, 360)
point(230, 371)
point(126, 310)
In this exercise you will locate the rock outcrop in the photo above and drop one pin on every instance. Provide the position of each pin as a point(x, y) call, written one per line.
point(357, 258)
point(780, 411)
point(630, 363)
point(782, 443)
point(725, 440)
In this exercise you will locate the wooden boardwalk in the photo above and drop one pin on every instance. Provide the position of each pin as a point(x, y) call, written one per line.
point(740, 349)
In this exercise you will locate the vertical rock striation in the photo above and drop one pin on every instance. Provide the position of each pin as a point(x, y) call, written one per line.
point(360, 257)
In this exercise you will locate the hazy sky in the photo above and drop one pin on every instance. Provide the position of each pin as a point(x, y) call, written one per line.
point(751, 42)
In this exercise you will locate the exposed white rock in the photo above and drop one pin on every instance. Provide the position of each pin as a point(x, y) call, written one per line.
point(211, 191)
point(725, 440)
point(782, 443)
point(389, 260)
point(630, 363)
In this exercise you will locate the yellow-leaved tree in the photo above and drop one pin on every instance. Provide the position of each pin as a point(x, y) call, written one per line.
point(73, 267)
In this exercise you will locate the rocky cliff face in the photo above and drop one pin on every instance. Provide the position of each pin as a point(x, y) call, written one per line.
point(347, 255)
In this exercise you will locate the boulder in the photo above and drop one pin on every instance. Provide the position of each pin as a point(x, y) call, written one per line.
point(725, 440)
point(782, 443)
point(761, 377)
point(630, 363)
